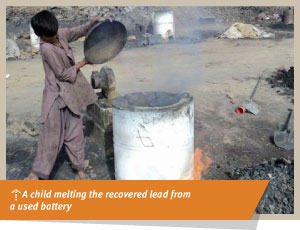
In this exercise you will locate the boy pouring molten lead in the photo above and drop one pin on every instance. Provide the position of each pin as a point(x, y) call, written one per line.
point(66, 90)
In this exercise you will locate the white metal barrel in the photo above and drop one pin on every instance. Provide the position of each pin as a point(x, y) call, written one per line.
point(163, 24)
point(153, 135)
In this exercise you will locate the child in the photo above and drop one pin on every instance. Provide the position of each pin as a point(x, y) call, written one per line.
point(66, 91)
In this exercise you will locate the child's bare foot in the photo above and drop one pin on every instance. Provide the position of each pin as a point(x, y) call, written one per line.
point(81, 175)
point(32, 177)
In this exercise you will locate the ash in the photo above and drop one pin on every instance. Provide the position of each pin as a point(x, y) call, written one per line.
point(279, 195)
point(283, 80)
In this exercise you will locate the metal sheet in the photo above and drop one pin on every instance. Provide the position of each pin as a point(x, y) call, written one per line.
point(104, 41)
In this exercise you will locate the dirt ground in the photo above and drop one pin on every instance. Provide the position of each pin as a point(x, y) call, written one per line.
point(219, 73)
point(212, 71)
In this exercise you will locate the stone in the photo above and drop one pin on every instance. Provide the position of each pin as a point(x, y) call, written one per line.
point(230, 96)
point(101, 114)
point(276, 16)
point(261, 16)
point(28, 53)
point(29, 129)
point(281, 68)
point(33, 50)
point(24, 35)
point(131, 38)
point(86, 163)
point(93, 175)
point(287, 161)
point(12, 49)
point(99, 125)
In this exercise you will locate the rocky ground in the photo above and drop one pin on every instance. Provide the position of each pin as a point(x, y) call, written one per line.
point(20, 153)
point(219, 73)
point(279, 195)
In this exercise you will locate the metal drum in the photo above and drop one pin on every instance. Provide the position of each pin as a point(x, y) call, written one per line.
point(163, 24)
point(153, 135)
point(104, 41)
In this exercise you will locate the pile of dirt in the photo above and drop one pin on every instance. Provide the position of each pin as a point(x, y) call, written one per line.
point(241, 30)
point(279, 195)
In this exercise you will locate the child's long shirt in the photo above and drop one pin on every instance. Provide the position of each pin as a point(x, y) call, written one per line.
point(61, 77)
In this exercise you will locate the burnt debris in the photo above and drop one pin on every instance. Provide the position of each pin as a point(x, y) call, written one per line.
point(284, 80)
point(279, 195)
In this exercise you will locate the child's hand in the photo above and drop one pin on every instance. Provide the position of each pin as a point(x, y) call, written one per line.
point(99, 19)
point(81, 64)
point(85, 62)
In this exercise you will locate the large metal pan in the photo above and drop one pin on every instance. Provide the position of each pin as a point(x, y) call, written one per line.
point(104, 41)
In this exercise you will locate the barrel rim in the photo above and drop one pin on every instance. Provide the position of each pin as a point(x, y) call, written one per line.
point(186, 99)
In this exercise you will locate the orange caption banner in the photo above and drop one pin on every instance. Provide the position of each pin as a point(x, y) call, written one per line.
point(200, 200)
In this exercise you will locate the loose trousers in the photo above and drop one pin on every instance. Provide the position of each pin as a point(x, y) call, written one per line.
point(61, 128)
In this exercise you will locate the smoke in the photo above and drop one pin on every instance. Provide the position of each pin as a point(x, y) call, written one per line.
point(177, 62)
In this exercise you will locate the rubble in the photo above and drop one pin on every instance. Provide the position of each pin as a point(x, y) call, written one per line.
point(279, 195)
point(26, 128)
point(240, 30)
point(67, 13)
point(29, 52)
point(12, 49)
point(248, 14)
point(24, 35)
point(29, 129)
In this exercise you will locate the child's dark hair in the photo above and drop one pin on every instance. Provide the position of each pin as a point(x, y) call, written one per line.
point(44, 23)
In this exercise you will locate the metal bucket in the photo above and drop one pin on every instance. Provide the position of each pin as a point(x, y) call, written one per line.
point(153, 135)
point(163, 24)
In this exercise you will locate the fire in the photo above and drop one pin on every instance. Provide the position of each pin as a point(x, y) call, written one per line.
point(201, 163)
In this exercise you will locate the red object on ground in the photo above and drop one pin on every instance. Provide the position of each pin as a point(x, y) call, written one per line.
point(240, 110)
